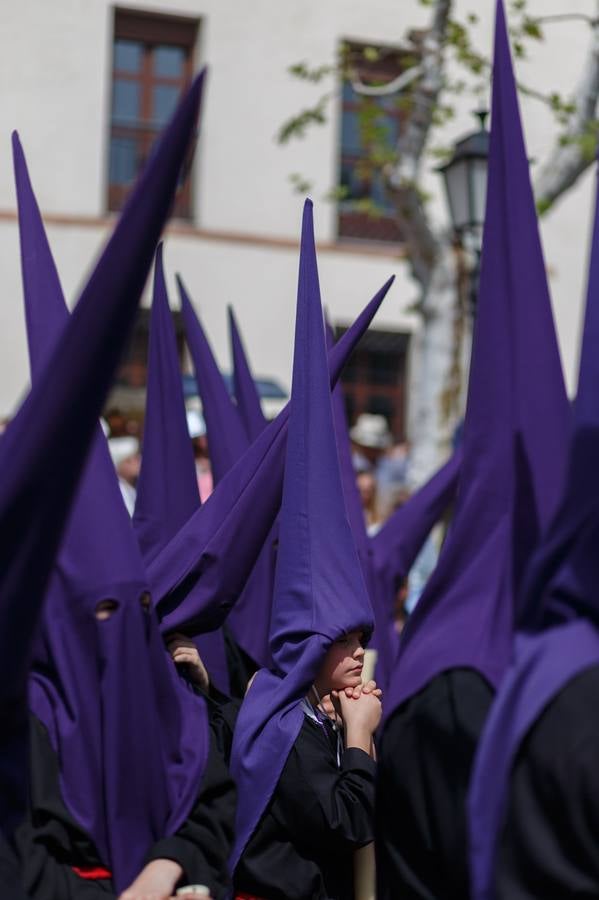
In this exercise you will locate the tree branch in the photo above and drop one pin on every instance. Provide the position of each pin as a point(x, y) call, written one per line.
point(565, 17)
point(570, 157)
point(403, 176)
point(392, 87)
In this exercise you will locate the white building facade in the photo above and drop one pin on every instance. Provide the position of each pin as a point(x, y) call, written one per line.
point(238, 241)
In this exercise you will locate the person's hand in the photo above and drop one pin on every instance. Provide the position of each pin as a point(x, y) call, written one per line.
point(330, 708)
point(156, 881)
point(368, 687)
point(363, 712)
point(361, 717)
point(184, 653)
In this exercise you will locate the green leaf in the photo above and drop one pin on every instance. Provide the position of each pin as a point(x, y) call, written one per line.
point(300, 184)
point(371, 54)
point(337, 194)
point(297, 125)
point(532, 29)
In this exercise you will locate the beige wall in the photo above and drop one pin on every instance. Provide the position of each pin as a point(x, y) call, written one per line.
point(55, 73)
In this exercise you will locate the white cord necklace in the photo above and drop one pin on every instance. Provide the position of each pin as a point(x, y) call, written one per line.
point(320, 707)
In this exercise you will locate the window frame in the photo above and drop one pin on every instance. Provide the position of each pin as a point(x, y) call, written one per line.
point(151, 30)
point(356, 225)
point(361, 390)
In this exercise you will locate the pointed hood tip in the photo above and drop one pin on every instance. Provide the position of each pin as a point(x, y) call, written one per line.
point(18, 156)
point(199, 82)
point(501, 30)
point(315, 608)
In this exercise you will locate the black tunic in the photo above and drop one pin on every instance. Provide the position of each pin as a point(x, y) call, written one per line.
point(240, 665)
point(50, 842)
point(549, 846)
point(10, 873)
point(320, 813)
point(223, 717)
point(423, 775)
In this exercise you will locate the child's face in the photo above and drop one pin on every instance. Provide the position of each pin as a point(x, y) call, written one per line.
point(342, 666)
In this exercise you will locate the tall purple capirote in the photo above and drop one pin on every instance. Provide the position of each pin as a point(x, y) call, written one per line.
point(167, 491)
point(398, 543)
point(560, 622)
point(320, 592)
point(201, 573)
point(65, 400)
point(246, 392)
point(102, 727)
point(227, 439)
point(515, 430)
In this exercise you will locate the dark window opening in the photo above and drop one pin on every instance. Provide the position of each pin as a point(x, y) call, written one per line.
point(133, 371)
point(374, 379)
point(152, 64)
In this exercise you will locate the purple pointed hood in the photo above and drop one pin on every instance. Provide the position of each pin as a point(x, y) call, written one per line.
point(111, 691)
point(227, 440)
point(319, 592)
point(560, 620)
point(167, 491)
point(34, 508)
point(201, 573)
point(515, 429)
point(246, 392)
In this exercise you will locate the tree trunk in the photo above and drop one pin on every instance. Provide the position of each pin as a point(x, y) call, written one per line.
point(436, 375)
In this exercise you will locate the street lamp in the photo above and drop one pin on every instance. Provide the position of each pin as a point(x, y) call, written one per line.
point(465, 177)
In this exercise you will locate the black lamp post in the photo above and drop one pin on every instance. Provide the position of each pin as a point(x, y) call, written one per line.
point(465, 177)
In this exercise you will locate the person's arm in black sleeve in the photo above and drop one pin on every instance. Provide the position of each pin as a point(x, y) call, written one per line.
point(321, 803)
point(202, 844)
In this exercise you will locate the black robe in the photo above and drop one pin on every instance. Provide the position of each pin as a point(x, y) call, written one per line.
point(49, 843)
point(549, 847)
point(11, 887)
point(319, 815)
point(223, 717)
point(424, 770)
point(240, 666)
